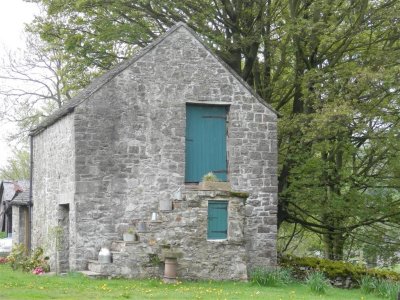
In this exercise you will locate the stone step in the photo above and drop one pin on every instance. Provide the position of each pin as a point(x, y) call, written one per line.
point(121, 268)
point(120, 246)
point(105, 269)
point(119, 257)
point(93, 275)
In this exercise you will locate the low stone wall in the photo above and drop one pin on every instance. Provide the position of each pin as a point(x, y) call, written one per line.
point(343, 282)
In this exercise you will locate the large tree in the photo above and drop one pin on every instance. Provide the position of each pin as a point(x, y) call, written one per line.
point(330, 68)
point(17, 167)
point(34, 83)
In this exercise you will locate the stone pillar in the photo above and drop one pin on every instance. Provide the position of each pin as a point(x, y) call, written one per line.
point(15, 225)
point(20, 225)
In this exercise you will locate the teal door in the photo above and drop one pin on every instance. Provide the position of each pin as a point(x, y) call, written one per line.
point(205, 142)
point(217, 220)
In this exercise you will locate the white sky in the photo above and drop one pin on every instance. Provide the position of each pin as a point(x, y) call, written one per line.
point(13, 15)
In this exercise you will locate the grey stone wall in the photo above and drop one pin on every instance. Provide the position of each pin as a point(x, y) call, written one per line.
point(185, 230)
point(53, 184)
point(130, 146)
point(17, 237)
point(19, 218)
point(182, 233)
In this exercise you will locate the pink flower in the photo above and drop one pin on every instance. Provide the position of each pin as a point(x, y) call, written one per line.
point(3, 260)
point(38, 271)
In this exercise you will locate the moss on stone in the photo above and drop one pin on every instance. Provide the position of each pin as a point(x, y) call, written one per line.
point(333, 269)
point(243, 195)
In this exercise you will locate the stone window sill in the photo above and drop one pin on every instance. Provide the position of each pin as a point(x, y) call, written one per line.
point(219, 240)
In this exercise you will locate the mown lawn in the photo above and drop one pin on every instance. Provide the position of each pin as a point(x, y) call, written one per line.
point(19, 285)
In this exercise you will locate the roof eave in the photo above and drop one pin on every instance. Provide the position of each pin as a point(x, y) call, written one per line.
point(99, 82)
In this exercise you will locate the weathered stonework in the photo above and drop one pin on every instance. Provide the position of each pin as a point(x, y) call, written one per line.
point(53, 185)
point(122, 150)
point(183, 231)
point(19, 224)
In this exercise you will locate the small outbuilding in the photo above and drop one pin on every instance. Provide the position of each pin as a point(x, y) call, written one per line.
point(128, 154)
point(14, 213)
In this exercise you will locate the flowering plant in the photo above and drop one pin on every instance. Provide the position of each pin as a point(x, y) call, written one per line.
point(3, 260)
point(38, 271)
point(19, 259)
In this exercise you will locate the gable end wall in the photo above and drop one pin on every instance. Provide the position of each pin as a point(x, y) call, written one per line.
point(130, 150)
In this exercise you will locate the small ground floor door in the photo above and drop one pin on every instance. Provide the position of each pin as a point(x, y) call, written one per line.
point(63, 238)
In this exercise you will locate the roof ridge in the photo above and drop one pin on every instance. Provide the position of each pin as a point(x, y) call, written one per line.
point(106, 77)
point(229, 68)
point(100, 81)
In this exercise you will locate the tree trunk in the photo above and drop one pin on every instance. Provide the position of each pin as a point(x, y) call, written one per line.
point(334, 243)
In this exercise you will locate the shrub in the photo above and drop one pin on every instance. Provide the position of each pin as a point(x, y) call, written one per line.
point(368, 284)
point(19, 259)
point(3, 260)
point(317, 282)
point(37, 260)
point(387, 288)
point(271, 277)
point(332, 269)
point(381, 287)
point(210, 176)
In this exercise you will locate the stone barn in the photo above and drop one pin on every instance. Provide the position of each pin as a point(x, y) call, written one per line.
point(129, 152)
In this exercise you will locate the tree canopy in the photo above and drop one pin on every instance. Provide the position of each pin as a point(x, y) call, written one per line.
point(17, 167)
point(34, 83)
point(330, 68)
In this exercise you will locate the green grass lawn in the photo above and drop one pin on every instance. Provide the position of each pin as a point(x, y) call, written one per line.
point(19, 285)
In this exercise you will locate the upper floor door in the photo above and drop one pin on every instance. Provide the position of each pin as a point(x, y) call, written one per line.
point(205, 141)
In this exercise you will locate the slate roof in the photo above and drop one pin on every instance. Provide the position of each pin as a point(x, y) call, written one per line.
point(14, 190)
point(23, 197)
point(7, 192)
point(100, 81)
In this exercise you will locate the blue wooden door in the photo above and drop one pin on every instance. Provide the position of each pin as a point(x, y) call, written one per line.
point(217, 220)
point(205, 142)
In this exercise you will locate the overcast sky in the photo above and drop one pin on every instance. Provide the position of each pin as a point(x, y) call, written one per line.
point(13, 15)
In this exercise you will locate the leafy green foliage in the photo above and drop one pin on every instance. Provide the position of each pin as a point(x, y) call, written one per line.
point(378, 243)
point(210, 176)
point(333, 269)
point(384, 288)
point(19, 259)
point(297, 241)
point(368, 284)
point(271, 277)
point(387, 289)
point(17, 166)
point(328, 67)
point(317, 282)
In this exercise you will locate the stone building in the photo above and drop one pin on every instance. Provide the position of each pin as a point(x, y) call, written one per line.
point(130, 150)
point(14, 211)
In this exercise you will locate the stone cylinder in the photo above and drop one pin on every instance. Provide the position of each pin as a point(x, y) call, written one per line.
point(170, 269)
